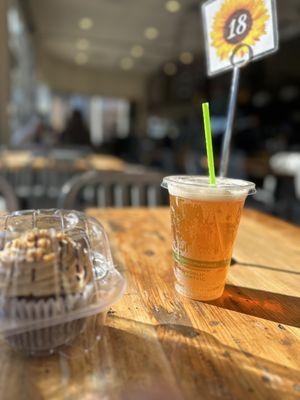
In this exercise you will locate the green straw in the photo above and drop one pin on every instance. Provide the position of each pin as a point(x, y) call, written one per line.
point(209, 146)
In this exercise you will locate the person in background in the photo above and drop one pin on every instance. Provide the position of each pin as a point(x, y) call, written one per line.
point(76, 131)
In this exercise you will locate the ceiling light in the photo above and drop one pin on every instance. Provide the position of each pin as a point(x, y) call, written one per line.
point(85, 23)
point(170, 69)
point(186, 57)
point(173, 6)
point(151, 33)
point(81, 58)
point(126, 63)
point(82, 44)
point(137, 51)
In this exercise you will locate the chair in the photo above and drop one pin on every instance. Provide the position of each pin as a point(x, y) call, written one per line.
point(8, 200)
point(113, 189)
point(285, 167)
point(286, 201)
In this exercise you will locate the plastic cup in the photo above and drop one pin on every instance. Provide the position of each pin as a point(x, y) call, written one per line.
point(205, 220)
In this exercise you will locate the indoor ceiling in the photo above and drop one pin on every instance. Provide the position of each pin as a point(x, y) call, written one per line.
point(117, 38)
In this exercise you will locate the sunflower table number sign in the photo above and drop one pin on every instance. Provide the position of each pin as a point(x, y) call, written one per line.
point(238, 31)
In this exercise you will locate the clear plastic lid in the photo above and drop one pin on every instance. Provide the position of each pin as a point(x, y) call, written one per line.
point(199, 187)
point(55, 267)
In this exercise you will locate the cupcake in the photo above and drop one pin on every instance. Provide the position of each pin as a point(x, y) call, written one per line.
point(45, 276)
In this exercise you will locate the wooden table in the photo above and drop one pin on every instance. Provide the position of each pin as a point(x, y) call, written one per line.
point(245, 345)
point(19, 160)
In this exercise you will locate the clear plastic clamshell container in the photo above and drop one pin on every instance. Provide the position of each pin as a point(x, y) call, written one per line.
point(56, 271)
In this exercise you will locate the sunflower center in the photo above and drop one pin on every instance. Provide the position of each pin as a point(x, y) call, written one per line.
point(237, 26)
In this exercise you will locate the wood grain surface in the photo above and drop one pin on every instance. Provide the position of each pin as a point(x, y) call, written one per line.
point(19, 160)
point(246, 345)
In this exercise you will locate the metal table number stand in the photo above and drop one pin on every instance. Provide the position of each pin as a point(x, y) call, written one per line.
point(237, 65)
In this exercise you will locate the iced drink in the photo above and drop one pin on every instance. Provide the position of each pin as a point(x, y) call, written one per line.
point(205, 221)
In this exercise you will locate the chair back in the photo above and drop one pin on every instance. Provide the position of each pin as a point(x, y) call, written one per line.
point(8, 199)
point(113, 189)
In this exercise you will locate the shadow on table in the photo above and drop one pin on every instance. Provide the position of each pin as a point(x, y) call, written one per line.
point(61, 375)
point(234, 262)
point(275, 307)
point(192, 362)
point(177, 362)
point(138, 361)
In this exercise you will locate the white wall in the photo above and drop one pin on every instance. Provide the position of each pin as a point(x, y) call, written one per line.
point(64, 76)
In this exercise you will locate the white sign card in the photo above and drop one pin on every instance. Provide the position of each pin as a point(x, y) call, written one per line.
point(238, 31)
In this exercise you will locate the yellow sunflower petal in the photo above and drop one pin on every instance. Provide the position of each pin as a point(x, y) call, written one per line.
point(258, 12)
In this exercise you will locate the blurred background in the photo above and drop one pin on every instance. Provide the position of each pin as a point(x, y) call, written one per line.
point(101, 98)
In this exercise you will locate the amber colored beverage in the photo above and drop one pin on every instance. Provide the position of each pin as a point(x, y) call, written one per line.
point(204, 232)
point(205, 220)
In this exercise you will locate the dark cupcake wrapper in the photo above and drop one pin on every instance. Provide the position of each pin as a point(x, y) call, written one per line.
point(46, 339)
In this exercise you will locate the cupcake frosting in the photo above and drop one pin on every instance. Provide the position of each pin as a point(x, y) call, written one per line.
point(42, 264)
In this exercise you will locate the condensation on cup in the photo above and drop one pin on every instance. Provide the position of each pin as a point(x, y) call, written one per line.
point(205, 220)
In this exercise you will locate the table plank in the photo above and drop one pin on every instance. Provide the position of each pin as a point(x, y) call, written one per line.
point(18, 160)
point(242, 346)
